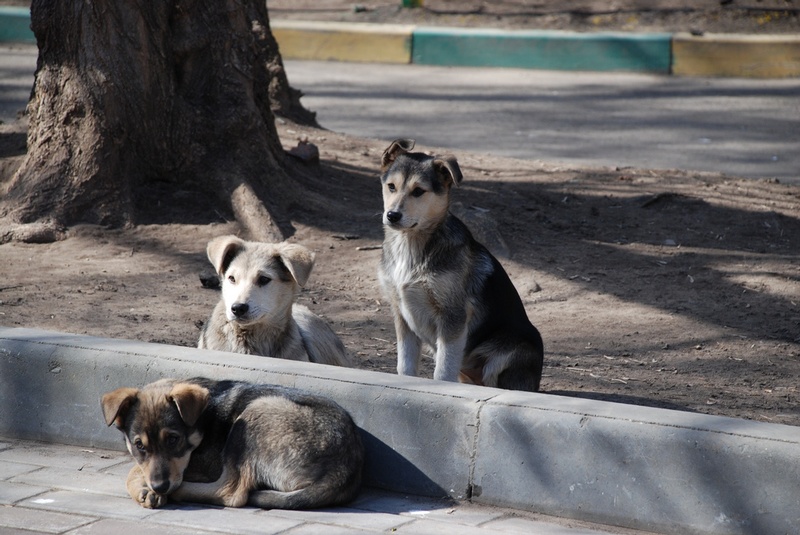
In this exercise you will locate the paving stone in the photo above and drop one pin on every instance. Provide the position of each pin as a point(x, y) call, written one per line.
point(14, 531)
point(66, 457)
point(121, 469)
point(436, 527)
point(118, 527)
point(92, 504)
point(419, 508)
point(393, 503)
point(327, 529)
point(346, 517)
point(513, 524)
point(241, 521)
point(10, 469)
point(14, 492)
point(41, 521)
point(464, 514)
point(79, 480)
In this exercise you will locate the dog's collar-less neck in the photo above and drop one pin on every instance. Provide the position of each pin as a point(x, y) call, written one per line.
point(259, 334)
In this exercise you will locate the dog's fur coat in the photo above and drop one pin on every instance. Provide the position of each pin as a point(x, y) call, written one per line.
point(234, 444)
point(257, 314)
point(446, 290)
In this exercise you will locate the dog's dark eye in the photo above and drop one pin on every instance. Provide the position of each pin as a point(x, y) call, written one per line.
point(172, 440)
point(139, 444)
point(263, 280)
point(391, 187)
point(418, 192)
point(231, 279)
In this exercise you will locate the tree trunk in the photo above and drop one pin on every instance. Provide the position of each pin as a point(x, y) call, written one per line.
point(135, 103)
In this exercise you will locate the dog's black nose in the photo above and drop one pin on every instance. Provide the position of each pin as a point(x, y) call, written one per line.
point(160, 487)
point(394, 217)
point(239, 310)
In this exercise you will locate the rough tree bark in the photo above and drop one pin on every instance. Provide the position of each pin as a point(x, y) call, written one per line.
point(134, 101)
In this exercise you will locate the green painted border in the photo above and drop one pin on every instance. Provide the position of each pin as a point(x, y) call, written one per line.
point(15, 25)
point(543, 50)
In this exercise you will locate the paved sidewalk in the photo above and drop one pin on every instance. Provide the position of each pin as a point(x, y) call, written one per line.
point(50, 488)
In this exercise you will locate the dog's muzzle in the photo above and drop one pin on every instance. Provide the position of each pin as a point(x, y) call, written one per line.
point(394, 220)
point(240, 310)
point(394, 217)
point(161, 487)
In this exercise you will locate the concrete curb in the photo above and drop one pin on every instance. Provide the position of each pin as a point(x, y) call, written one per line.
point(636, 467)
point(375, 43)
point(555, 50)
point(769, 56)
point(15, 25)
point(744, 56)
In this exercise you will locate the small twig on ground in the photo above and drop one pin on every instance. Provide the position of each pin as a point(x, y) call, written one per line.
point(10, 287)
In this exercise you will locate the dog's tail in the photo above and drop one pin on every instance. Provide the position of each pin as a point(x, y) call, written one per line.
point(321, 343)
point(324, 493)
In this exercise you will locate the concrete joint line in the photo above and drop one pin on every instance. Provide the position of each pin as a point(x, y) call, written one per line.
point(473, 457)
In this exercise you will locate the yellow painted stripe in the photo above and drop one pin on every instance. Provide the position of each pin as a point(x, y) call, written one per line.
point(378, 43)
point(750, 56)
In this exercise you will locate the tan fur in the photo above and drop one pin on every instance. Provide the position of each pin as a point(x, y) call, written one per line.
point(190, 401)
point(284, 448)
point(436, 278)
point(272, 325)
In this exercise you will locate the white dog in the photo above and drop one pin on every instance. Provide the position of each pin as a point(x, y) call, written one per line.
point(257, 314)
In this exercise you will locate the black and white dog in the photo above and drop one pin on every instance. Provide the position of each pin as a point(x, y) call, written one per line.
point(446, 289)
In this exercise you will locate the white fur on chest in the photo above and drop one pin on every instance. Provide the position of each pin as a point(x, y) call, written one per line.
point(408, 285)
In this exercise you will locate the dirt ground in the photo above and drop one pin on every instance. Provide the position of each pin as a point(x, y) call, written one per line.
point(697, 16)
point(660, 288)
point(670, 289)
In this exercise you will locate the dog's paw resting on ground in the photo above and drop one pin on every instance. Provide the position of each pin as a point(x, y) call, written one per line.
point(149, 499)
point(141, 492)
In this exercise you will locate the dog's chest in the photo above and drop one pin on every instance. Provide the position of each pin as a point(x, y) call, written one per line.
point(401, 267)
point(423, 297)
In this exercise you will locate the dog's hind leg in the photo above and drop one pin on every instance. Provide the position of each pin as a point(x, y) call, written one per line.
point(307, 498)
point(524, 370)
point(329, 491)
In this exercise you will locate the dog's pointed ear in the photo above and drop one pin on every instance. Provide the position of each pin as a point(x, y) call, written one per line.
point(222, 250)
point(191, 401)
point(448, 169)
point(116, 405)
point(298, 260)
point(398, 147)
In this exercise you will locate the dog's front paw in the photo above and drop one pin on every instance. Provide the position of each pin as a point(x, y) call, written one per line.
point(149, 499)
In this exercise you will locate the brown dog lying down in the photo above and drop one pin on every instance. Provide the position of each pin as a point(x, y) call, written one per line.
point(234, 444)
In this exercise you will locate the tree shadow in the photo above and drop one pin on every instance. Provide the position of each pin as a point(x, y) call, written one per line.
point(584, 230)
point(13, 144)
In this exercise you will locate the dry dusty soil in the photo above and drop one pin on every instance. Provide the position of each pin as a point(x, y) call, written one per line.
point(697, 16)
point(662, 288)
